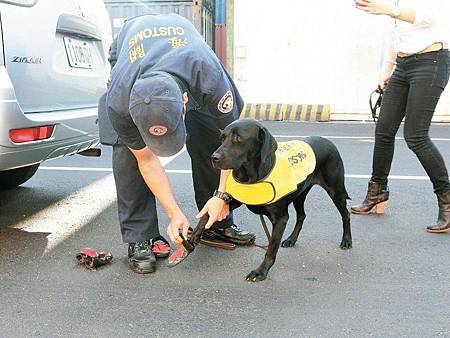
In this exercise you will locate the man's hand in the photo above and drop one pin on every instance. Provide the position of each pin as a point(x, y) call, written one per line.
point(178, 223)
point(217, 210)
point(374, 7)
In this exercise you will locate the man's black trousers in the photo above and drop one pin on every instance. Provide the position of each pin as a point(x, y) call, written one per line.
point(136, 203)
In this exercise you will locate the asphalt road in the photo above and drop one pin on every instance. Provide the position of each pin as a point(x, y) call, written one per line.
point(395, 282)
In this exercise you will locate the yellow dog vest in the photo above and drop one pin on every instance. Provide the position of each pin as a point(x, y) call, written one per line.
point(295, 160)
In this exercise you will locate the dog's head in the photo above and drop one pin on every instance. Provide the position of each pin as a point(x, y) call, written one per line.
point(244, 142)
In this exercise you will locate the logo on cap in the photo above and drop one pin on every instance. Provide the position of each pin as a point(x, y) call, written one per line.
point(158, 130)
point(226, 103)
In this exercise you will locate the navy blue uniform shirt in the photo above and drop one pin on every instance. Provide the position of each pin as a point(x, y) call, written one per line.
point(171, 44)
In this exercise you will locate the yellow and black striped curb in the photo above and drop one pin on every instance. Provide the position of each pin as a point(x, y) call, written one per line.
point(287, 112)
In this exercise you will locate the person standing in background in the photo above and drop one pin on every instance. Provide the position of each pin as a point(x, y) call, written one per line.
point(415, 74)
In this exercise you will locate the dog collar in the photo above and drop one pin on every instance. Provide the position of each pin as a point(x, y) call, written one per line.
point(295, 160)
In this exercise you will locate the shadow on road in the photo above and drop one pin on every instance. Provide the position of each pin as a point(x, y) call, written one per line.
point(31, 245)
point(19, 203)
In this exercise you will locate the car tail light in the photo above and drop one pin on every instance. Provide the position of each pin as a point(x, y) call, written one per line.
point(31, 134)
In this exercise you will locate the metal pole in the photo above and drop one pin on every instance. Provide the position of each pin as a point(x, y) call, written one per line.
point(221, 31)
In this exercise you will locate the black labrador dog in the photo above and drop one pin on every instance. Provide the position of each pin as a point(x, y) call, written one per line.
point(248, 149)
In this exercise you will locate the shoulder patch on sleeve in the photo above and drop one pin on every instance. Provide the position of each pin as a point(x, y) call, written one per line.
point(225, 104)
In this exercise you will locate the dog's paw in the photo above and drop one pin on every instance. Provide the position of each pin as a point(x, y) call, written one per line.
point(346, 244)
point(256, 276)
point(288, 243)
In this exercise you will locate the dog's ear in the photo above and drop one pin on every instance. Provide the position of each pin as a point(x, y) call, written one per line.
point(268, 143)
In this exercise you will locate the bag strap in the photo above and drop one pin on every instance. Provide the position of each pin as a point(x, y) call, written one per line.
point(374, 107)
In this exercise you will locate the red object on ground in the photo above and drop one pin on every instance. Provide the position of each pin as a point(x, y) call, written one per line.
point(161, 249)
point(92, 259)
point(177, 256)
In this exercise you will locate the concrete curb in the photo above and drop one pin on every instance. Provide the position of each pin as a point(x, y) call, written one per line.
point(287, 112)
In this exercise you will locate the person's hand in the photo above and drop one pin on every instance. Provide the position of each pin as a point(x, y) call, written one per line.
point(217, 210)
point(384, 79)
point(178, 223)
point(374, 7)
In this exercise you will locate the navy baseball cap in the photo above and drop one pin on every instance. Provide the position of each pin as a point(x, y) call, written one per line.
point(156, 108)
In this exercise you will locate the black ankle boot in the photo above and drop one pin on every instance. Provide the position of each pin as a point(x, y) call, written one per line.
point(443, 221)
point(377, 197)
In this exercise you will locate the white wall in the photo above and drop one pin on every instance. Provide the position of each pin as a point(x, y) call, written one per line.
point(311, 52)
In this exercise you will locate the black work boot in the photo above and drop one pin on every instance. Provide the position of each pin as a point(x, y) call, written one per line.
point(377, 197)
point(443, 221)
point(141, 258)
point(232, 235)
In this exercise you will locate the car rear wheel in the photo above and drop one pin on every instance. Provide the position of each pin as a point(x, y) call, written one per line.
point(14, 177)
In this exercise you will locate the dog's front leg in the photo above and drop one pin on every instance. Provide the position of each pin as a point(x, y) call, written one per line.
point(183, 251)
point(195, 237)
point(279, 224)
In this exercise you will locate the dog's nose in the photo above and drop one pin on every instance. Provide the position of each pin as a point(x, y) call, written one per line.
point(215, 158)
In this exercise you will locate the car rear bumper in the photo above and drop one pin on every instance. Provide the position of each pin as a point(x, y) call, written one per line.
point(75, 130)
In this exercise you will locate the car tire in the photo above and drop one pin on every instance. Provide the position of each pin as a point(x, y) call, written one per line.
point(14, 177)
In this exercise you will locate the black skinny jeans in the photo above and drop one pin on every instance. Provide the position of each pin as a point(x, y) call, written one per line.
point(412, 93)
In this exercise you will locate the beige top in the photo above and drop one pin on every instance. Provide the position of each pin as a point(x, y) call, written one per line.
point(429, 27)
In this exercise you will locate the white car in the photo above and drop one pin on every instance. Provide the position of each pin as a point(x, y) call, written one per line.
point(53, 70)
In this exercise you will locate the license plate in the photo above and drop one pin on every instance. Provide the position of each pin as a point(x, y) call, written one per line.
point(79, 53)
